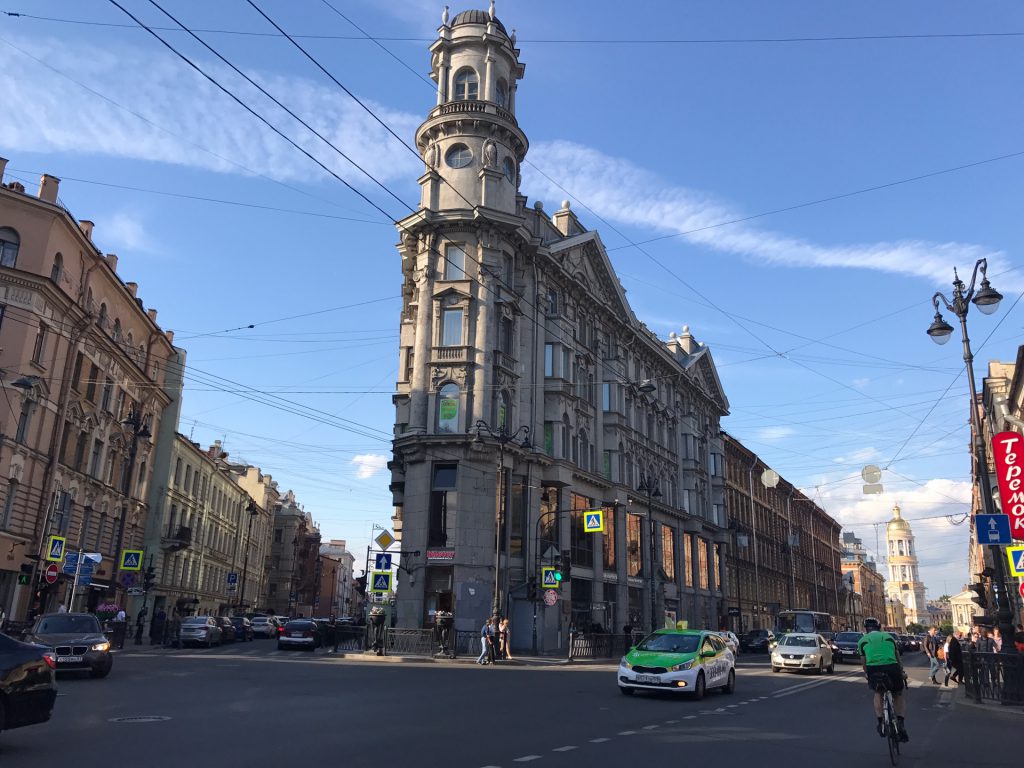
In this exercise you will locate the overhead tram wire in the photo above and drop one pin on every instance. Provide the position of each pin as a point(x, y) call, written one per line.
point(566, 41)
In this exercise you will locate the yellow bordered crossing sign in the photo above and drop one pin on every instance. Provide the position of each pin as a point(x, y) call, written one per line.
point(593, 521)
point(1016, 557)
point(55, 548)
point(381, 583)
point(549, 577)
point(131, 559)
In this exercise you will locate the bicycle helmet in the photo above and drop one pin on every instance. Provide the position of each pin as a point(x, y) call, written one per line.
point(872, 625)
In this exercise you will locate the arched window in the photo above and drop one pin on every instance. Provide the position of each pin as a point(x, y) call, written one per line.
point(459, 156)
point(131, 341)
point(509, 166)
point(117, 329)
point(448, 408)
point(9, 242)
point(57, 269)
point(467, 85)
point(501, 93)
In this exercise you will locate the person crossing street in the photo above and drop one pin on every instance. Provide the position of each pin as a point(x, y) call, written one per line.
point(931, 649)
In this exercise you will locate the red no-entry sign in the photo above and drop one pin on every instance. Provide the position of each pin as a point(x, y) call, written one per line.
point(1021, 589)
point(51, 573)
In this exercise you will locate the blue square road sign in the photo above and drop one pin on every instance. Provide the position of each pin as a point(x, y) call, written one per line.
point(993, 530)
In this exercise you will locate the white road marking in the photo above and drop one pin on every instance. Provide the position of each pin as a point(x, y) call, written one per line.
point(526, 758)
point(563, 749)
point(602, 740)
point(626, 733)
point(651, 727)
point(690, 717)
point(730, 706)
point(671, 722)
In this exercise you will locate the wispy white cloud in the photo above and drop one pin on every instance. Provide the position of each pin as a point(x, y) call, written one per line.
point(775, 433)
point(369, 464)
point(861, 383)
point(621, 191)
point(124, 232)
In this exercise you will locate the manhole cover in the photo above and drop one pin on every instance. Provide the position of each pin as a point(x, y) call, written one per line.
point(140, 719)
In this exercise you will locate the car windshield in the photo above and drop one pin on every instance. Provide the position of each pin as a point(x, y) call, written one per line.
point(196, 620)
point(669, 643)
point(800, 642)
point(261, 620)
point(299, 625)
point(847, 637)
point(68, 625)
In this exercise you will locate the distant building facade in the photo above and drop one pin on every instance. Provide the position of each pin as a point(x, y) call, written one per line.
point(905, 582)
point(864, 579)
point(337, 580)
point(294, 580)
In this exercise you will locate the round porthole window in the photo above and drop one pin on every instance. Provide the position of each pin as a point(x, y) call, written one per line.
point(510, 169)
point(459, 156)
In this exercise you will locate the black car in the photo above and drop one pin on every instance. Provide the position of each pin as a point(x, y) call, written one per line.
point(77, 642)
point(28, 687)
point(227, 629)
point(757, 640)
point(846, 644)
point(243, 628)
point(909, 643)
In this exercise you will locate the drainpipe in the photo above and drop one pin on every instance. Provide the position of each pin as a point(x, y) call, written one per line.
point(753, 525)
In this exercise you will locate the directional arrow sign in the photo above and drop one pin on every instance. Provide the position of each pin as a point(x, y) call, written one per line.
point(382, 562)
point(381, 582)
point(993, 529)
point(593, 521)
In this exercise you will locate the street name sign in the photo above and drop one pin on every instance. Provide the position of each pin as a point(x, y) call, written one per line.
point(1016, 558)
point(550, 597)
point(131, 560)
point(55, 548)
point(51, 573)
point(382, 561)
point(993, 530)
point(548, 579)
point(1008, 456)
point(385, 539)
point(593, 521)
point(381, 582)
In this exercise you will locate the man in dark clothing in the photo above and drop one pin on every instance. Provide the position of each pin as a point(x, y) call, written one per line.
point(954, 659)
point(156, 628)
point(931, 649)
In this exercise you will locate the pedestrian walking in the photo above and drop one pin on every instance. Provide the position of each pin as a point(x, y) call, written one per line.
point(332, 633)
point(931, 649)
point(505, 632)
point(486, 639)
point(156, 628)
point(140, 625)
point(954, 659)
point(175, 638)
point(997, 640)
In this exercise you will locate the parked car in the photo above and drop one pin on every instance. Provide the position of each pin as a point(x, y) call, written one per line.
point(846, 645)
point(299, 633)
point(757, 641)
point(265, 626)
point(201, 630)
point(227, 629)
point(730, 640)
point(28, 685)
point(678, 661)
point(800, 651)
point(909, 643)
point(77, 642)
point(242, 627)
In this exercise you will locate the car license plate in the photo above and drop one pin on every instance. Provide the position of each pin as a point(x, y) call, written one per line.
point(648, 679)
point(296, 634)
point(68, 659)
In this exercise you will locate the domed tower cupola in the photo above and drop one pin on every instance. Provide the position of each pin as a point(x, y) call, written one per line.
point(471, 144)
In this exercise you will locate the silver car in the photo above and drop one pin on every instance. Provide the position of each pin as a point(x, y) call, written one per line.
point(265, 626)
point(202, 630)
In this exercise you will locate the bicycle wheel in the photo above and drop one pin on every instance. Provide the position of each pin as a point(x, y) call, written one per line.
point(892, 736)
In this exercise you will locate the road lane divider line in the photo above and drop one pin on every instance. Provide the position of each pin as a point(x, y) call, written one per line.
point(627, 733)
point(527, 758)
point(601, 740)
point(568, 748)
point(651, 727)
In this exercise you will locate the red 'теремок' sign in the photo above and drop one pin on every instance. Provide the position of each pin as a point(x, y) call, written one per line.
point(1008, 454)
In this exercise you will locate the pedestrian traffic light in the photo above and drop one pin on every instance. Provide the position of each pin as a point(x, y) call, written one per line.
point(149, 578)
point(531, 589)
point(979, 594)
point(565, 567)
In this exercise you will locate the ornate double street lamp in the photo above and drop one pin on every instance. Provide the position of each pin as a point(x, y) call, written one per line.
point(253, 511)
point(651, 488)
point(986, 299)
point(502, 437)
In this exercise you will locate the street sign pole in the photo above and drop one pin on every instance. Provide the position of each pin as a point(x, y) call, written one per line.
point(74, 584)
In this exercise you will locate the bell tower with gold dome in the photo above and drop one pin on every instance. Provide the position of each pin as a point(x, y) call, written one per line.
point(904, 580)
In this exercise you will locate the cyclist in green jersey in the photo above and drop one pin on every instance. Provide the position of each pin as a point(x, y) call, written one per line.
point(880, 658)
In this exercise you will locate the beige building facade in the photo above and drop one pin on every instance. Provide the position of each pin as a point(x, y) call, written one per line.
point(529, 392)
point(83, 369)
point(864, 578)
point(904, 582)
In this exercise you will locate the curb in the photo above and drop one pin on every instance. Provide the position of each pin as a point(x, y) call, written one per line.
point(962, 699)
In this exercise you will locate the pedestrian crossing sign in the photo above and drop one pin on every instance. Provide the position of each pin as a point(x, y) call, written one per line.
point(593, 521)
point(381, 582)
point(1016, 557)
point(131, 559)
point(55, 548)
point(549, 577)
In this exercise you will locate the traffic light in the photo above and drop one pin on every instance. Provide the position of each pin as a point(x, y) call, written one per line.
point(149, 579)
point(979, 594)
point(531, 589)
point(564, 574)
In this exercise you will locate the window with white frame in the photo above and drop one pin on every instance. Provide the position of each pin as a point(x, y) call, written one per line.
point(9, 244)
point(451, 328)
point(455, 263)
point(467, 85)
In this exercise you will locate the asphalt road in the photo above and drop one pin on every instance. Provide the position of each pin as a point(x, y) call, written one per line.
point(250, 705)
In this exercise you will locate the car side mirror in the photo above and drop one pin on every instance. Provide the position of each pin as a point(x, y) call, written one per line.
point(708, 654)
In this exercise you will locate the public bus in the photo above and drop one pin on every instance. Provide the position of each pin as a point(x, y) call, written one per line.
point(804, 621)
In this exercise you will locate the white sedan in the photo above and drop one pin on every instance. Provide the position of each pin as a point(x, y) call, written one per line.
point(731, 640)
point(803, 651)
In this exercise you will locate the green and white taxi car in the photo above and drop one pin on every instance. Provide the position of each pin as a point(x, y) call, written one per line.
point(679, 661)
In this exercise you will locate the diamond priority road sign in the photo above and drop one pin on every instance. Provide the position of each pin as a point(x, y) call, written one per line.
point(385, 539)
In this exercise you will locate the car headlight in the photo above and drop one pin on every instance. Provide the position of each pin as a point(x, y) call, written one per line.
point(101, 647)
point(683, 667)
point(812, 655)
point(625, 663)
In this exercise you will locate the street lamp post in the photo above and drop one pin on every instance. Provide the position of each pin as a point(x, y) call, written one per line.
point(650, 487)
point(503, 437)
point(741, 543)
point(986, 299)
point(253, 512)
point(139, 427)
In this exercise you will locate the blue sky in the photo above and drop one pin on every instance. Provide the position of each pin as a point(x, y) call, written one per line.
point(647, 138)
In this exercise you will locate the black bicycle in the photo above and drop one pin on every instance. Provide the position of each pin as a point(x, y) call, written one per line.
point(892, 734)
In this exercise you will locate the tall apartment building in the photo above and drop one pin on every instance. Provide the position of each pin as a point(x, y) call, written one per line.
point(83, 367)
point(791, 554)
point(336, 579)
point(529, 392)
point(294, 577)
point(864, 579)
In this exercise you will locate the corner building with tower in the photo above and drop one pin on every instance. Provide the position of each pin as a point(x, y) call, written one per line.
point(905, 583)
point(529, 392)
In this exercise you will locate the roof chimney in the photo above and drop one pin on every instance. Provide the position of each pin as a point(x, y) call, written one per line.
point(170, 336)
point(86, 226)
point(112, 262)
point(152, 315)
point(133, 288)
point(48, 188)
point(3, 167)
